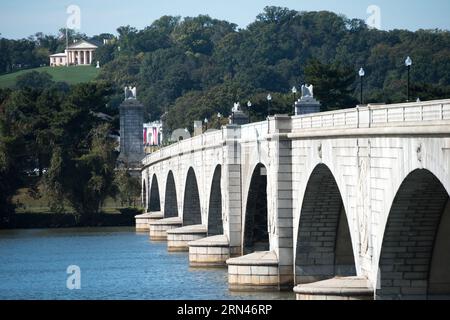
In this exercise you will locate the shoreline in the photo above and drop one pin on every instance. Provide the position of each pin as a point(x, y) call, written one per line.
point(66, 220)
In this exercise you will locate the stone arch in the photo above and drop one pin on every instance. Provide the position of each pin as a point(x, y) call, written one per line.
point(256, 234)
point(170, 201)
point(324, 246)
point(415, 253)
point(192, 214)
point(215, 222)
point(154, 199)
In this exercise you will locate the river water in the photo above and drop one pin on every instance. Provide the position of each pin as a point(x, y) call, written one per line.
point(115, 263)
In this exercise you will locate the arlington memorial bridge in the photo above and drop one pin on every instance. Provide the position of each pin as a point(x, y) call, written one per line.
point(348, 204)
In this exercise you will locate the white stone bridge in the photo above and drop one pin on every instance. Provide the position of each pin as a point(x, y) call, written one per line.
point(360, 196)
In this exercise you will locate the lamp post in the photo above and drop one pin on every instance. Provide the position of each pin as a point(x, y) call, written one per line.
point(219, 116)
point(362, 74)
point(408, 64)
point(206, 124)
point(249, 105)
point(294, 92)
point(269, 100)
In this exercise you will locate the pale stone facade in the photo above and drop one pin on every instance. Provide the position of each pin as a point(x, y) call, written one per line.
point(209, 252)
point(158, 228)
point(143, 221)
point(80, 53)
point(360, 192)
point(59, 59)
point(178, 239)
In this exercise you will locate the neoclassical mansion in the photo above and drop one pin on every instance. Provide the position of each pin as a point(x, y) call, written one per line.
point(79, 53)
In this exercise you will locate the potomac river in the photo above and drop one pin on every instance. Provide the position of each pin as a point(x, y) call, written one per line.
point(115, 263)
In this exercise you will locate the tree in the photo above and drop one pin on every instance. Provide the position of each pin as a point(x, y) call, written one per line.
point(332, 84)
point(104, 54)
point(53, 182)
point(84, 179)
point(93, 177)
point(199, 34)
point(34, 80)
point(10, 175)
point(128, 187)
point(11, 167)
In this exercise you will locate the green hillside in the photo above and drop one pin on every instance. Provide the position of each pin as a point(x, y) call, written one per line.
point(71, 75)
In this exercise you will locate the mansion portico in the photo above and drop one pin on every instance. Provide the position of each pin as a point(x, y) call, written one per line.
point(79, 53)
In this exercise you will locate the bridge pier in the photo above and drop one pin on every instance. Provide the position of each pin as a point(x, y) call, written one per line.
point(231, 184)
point(281, 209)
point(256, 271)
point(350, 288)
point(143, 220)
point(178, 239)
point(159, 228)
point(209, 252)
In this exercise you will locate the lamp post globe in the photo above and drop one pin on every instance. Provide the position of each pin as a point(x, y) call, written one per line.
point(249, 106)
point(362, 74)
point(269, 100)
point(408, 61)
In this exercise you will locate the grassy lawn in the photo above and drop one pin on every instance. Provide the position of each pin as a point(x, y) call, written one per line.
point(70, 75)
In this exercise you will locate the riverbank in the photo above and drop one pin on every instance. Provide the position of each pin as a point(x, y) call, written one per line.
point(50, 220)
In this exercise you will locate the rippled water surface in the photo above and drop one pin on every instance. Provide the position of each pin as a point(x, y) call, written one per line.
point(115, 263)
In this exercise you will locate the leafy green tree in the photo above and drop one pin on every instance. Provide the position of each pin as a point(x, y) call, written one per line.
point(128, 187)
point(84, 179)
point(198, 35)
point(333, 84)
point(53, 182)
point(34, 80)
point(11, 166)
point(104, 54)
point(10, 174)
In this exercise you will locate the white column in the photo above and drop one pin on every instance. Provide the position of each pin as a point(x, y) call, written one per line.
point(78, 57)
point(90, 56)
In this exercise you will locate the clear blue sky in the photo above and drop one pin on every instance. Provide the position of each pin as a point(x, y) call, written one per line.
point(21, 18)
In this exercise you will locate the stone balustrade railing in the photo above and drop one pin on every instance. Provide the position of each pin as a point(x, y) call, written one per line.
point(376, 116)
point(371, 116)
point(254, 131)
point(207, 139)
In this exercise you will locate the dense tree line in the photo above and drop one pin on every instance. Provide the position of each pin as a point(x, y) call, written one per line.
point(54, 131)
point(196, 67)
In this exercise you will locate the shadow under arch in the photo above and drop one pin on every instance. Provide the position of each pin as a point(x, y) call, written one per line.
point(215, 222)
point(324, 246)
point(170, 201)
point(154, 203)
point(256, 234)
point(415, 253)
point(191, 205)
point(144, 195)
